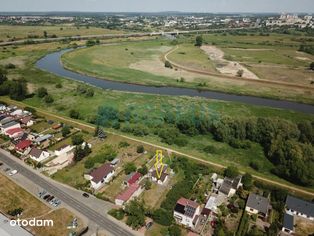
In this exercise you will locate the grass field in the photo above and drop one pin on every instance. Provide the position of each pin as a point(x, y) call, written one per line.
point(13, 196)
point(140, 63)
point(17, 32)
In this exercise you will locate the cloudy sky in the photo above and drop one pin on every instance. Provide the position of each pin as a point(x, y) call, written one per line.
point(160, 5)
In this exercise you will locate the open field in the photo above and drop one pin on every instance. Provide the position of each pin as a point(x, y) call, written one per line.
point(13, 196)
point(142, 63)
point(18, 32)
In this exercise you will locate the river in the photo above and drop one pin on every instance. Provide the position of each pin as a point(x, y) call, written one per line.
point(52, 63)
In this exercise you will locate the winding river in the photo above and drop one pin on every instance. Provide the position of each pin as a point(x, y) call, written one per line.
point(52, 63)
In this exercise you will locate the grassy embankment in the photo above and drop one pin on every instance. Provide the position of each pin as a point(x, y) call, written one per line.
point(151, 106)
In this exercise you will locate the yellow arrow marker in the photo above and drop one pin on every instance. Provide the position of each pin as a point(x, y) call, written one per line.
point(159, 166)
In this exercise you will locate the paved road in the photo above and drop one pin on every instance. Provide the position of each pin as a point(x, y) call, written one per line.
point(44, 183)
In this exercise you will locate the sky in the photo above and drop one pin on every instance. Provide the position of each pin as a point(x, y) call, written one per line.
point(214, 6)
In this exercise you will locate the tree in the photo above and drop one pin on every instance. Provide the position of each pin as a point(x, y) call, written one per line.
point(129, 168)
point(231, 172)
point(140, 149)
point(65, 131)
point(48, 99)
point(312, 66)
point(136, 214)
point(80, 153)
point(148, 184)
point(17, 89)
point(42, 92)
point(45, 34)
point(247, 181)
point(90, 92)
point(174, 230)
point(199, 41)
point(143, 170)
point(163, 216)
point(240, 73)
point(74, 114)
point(3, 76)
point(77, 139)
point(168, 65)
point(90, 43)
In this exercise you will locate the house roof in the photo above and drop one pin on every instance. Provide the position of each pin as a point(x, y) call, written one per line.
point(186, 207)
point(300, 205)
point(23, 144)
point(133, 177)
point(229, 184)
point(13, 131)
point(26, 119)
point(127, 194)
point(43, 138)
point(63, 147)
point(288, 221)
point(162, 176)
point(101, 172)
point(258, 203)
point(9, 124)
point(35, 152)
point(115, 161)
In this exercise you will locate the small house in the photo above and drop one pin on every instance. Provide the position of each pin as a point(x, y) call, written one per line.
point(42, 139)
point(230, 186)
point(14, 133)
point(98, 177)
point(38, 155)
point(9, 125)
point(299, 207)
point(130, 193)
point(288, 224)
point(64, 150)
point(23, 147)
point(258, 205)
point(132, 178)
point(27, 121)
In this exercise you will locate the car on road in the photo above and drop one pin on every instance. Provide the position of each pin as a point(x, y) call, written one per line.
point(85, 195)
point(13, 172)
point(42, 193)
point(46, 196)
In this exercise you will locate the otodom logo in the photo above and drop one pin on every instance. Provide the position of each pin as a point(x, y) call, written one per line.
point(32, 222)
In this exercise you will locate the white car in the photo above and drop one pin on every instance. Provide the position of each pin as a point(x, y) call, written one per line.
point(13, 172)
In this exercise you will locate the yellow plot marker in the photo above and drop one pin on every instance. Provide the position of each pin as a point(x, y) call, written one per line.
point(159, 166)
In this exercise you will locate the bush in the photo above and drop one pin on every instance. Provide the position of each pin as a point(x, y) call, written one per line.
point(42, 92)
point(123, 144)
point(77, 139)
point(65, 131)
point(117, 213)
point(9, 66)
point(49, 99)
point(163, 217)
point(74, 114)
point(231, 172)
point(59, 85)
point(140, 149)
point(210, 149)
point(255, 165)
point(129, 168)
point(168, 64)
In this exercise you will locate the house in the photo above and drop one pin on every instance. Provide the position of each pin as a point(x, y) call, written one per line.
point(258, 205)
point(132, 178)
point(17, 112)
point(27, 121)
point(299, 207)
point(9, 125)
point(159, 179)
point(38, 155)
point(98, 177)
point(186, 212)
point(230, 186)
point(23, 147)
point(63, 150)
point(2, 107)
point(56, 126)
point(14, 133)
point(133, 191)
point(114, 162)
point(11, 108)
point(288, 224)
point(43, 138)
point(6, 120)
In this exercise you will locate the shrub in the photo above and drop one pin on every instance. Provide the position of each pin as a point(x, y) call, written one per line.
point(168, 64)
point(74, 114)
point(140, 149)
point(42, 92)
point(117, 213)
point(49, 99)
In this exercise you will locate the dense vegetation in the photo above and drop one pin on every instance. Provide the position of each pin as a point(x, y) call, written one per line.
point(286, 144)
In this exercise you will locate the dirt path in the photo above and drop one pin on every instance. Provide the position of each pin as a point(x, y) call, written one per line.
point(169, 150)
point(224, 66)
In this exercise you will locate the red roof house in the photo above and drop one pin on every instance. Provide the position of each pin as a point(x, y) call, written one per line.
point(23, 145)
point(15, 132)
point(133, 178)
point(133, 191)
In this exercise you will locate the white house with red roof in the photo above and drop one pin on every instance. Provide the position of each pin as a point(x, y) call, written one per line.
point(98, 177)
point(23, 147)
point(27, 121)
point(127, 195)
point(186, 212)
point(132, 178)
point(14, 133)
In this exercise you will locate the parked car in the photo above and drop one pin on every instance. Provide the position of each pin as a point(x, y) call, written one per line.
point(13, 172)
point(85, 195)
point(46, 196)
